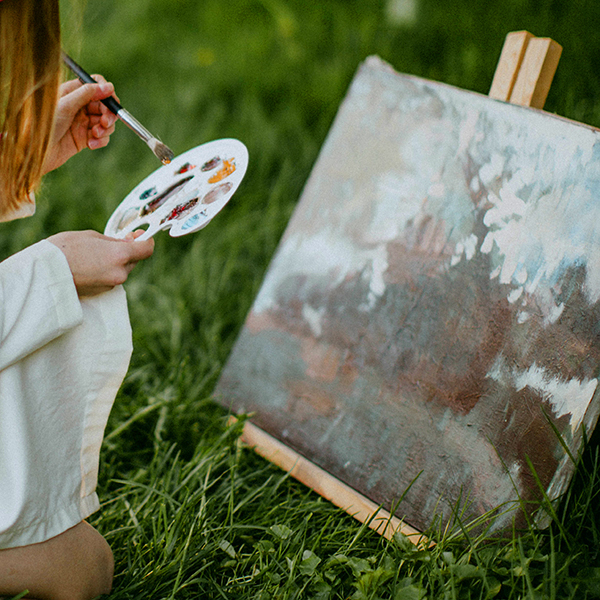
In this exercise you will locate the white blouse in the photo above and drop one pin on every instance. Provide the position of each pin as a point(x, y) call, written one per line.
point(62, 360)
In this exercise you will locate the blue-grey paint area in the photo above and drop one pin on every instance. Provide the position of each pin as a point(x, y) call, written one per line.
point(434, 302)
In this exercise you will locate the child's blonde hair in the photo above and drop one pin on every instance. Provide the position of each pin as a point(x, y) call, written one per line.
point(30, 58)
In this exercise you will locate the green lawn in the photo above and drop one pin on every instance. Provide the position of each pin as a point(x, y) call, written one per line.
point(187, 512)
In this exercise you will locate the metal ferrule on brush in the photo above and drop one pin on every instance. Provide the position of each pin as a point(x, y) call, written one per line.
point(134, 125)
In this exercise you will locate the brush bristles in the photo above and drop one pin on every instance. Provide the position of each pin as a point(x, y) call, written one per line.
point(162, 152)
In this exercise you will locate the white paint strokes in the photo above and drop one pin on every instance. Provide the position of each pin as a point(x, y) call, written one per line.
point(554, 314)
point(514, 295)
point(530, 188)
point(468, 133)
point(467, 248)
point(313, 317)
point(396, 203)
point(323, 260)
point(534, 245)
point(492, 169)
point(566, 397)
point(379, 265)
point(506, 207)
point(533, 241)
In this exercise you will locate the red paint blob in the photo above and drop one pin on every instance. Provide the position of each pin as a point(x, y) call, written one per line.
point(185, 168)
point(180, 210)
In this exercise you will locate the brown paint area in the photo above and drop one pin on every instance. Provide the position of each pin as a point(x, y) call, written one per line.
point(569, 348)
point(528, 435)
point(433, 337)
point(217, 193)
point(159, 200)
point(209, 165)
point(322, 361)
point(308, 400)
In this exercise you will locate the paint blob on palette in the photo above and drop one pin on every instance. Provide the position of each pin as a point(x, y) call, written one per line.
point(184, 195)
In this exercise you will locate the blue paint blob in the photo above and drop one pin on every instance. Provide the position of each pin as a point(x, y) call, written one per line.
point(191, 222)
point(148, 193)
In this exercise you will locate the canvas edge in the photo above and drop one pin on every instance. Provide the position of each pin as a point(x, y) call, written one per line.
point(374, 61)
point(327, 486)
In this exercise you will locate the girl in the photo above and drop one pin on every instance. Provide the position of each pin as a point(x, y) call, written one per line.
point(65, 339)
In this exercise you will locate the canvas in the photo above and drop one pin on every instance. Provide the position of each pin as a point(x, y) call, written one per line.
point(430, 321)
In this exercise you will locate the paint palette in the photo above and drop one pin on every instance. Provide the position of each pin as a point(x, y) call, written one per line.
point(184, 195)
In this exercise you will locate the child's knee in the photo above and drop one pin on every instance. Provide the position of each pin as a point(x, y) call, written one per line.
point(106, 568)
point(95, 573)
point(75, 565)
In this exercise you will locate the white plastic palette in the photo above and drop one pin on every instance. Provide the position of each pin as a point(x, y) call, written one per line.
point(184, 195)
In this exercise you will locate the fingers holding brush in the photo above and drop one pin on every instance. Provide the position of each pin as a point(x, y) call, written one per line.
point(84, 101)
point(81, 120)
point(102, 120)
point(97, 111)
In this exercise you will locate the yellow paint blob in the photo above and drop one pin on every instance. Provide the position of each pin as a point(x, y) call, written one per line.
point(227, 169)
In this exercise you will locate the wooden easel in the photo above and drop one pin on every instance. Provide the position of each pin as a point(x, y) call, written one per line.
point(523, 76)
point(525, 70)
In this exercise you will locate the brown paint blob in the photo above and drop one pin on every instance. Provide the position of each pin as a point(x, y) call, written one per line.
point(209, 165)
point(162, 198)
point(217, 193)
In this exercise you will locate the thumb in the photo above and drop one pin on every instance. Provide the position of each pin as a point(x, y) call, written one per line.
point(141, 250)
point(74, 101)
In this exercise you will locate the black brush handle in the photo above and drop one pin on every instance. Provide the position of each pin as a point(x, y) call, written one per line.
point(110, 103)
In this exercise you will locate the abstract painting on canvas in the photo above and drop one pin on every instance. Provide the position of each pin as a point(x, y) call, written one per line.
point(431, 318)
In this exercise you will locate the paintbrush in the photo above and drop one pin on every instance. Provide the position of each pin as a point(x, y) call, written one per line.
point(162, 152)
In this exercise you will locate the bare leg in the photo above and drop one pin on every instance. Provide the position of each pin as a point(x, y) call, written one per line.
point(75, 565)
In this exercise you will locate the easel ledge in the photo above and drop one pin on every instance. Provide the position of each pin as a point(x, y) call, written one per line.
point(331, 488)
point(523, 76)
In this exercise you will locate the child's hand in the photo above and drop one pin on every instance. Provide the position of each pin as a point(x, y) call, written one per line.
point(99, 263)
point(81, 120)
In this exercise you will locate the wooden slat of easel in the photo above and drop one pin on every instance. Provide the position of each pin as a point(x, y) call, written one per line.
point(523, 76)
point(326, 485)
point(525, 70)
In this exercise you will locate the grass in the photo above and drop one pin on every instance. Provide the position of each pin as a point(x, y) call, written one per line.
point(187, 512)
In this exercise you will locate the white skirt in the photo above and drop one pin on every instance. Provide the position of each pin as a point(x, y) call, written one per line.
point(54, 405)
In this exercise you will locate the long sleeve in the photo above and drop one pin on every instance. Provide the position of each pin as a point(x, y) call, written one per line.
point(62, 361)
point(38, 301)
